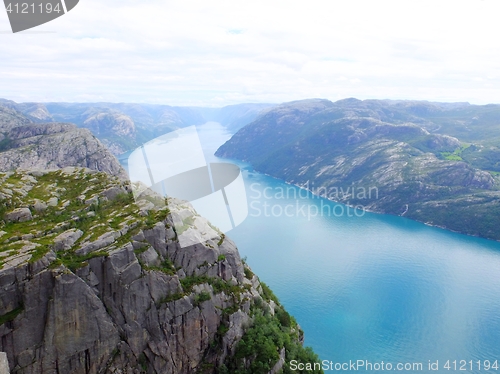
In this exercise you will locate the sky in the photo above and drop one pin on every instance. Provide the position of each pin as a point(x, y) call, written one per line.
point(216, 53)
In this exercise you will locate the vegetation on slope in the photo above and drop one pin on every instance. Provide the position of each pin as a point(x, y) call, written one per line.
point(74, 221)
point(406, 151)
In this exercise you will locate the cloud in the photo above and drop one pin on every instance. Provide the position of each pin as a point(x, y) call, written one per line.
point(219, 52)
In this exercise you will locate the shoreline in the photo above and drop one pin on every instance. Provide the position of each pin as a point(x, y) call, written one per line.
point(370, 210)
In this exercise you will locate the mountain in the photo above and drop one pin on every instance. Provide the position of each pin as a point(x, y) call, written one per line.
point(34, 111)
point(25, 144)
point(95, 282)
point(432, 162)
point(234, 117)
point(123, 127)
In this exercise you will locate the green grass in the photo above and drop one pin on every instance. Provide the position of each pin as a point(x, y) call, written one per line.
point(451, 156)
point(268, 294)
point(166, 267)
point(10, 316)
point(221, 240)
point(39, 252)
point(248, 273)
point(456, 155)
point(73, 261)
point(162, 214)
point(108, 215)
point(172, 297)
point(201, 297)
point(188, 283)
point(218, 285)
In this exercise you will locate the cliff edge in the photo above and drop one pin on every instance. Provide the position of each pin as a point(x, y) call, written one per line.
point(94, 282)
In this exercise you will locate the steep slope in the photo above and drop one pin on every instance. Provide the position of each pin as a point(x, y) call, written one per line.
point(92, 282)
point(364, 153)
point(28, 145)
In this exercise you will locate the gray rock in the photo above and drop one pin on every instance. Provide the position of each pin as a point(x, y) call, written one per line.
point(150, 257)
point(92, 200)
point(279, 365)
point(67, 239)
point(42, 264)
point(19, 215)
point(39, 206)
point(113, 192)
point(156, 237)
point(53, 201)
point(139, 236)
point(75, 306)
point(237, 322)
point(101, 242)
point(4, 364)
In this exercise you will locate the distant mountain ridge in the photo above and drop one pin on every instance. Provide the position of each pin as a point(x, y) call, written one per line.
point(437, 163)
point(123, 127)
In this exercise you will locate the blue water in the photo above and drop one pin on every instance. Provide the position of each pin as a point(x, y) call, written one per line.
point(371, 287)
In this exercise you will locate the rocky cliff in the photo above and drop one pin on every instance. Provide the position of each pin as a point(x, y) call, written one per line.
point(25, 144)
point(95, 282)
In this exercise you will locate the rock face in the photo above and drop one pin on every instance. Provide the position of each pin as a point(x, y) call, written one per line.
point(389, 157)
point(118, 124)
point(28, 145)
point(113, 292)
point(110, 126)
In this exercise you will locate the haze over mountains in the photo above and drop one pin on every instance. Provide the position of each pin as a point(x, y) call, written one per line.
point(438, 163)
point(122, 127)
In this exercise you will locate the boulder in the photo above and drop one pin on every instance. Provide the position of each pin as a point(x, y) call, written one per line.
point(19, 215)
point(67, 239)
point(112, 193)
point(39, 206)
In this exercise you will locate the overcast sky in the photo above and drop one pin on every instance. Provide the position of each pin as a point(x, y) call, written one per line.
point(216, 53)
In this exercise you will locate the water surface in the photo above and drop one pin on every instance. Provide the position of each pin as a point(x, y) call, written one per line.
point(371, 287)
